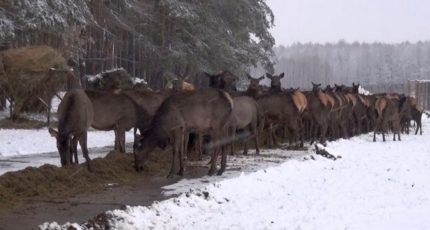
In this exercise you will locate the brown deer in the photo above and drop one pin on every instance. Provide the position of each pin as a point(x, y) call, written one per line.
point(254, 89)
point(194, 111)
point(320, 105)
point(178, 81)
point(347, 116)
point(245, 118)
point(388, 109)
point(75, 115)
point(118, 112)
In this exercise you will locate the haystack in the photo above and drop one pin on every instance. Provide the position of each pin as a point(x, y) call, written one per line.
point(26, 76)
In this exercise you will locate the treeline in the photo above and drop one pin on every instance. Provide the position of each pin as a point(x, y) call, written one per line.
point(374, 64)
point(149, 38)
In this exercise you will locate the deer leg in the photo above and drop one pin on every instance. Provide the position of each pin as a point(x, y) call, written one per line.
point(121, 134)
point(223, 162)
point(182, 135)
point(214, 158)
point(213, 161)
point(200, 148)
point(257, 144)
point(75, 148)
point(275, 141)
point(116, 146)
point(84, 148)
point(233, 139)
point(69, 154)
point(270, 135)
point(323, 132)
point(175, 149)
point(186, 141)
point(398, 130)
point(302, 135)
point(245, 146)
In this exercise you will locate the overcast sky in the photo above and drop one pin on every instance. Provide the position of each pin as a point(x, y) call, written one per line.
point(323, 21)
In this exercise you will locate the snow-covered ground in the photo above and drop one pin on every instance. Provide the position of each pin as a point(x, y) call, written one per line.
point(20, 148)
point(372, 186)
point(30, 141)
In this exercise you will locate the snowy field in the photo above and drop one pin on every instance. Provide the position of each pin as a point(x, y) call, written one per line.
point(372, 186)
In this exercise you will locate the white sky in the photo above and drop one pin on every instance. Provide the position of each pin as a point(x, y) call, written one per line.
point(323, 21)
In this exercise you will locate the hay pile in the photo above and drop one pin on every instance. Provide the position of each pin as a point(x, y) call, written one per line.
point(25, 75)
point(50, 182)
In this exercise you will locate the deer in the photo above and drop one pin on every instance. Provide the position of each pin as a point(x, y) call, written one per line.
point(75, 116)
point(201, 111)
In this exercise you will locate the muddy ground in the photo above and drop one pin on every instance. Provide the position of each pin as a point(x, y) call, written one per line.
point(33, 196)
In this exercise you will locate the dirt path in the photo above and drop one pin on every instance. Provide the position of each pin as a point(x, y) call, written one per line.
point(144, 191)
point(80, 208)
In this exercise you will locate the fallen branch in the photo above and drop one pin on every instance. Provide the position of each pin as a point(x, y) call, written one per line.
point(323, 152)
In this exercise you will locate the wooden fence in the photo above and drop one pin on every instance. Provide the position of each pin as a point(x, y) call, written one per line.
point(420, 89)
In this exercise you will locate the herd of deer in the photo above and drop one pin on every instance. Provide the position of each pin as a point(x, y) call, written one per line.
point(214, 118)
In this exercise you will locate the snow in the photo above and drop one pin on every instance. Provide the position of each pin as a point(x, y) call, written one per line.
point(93, 78)
point(137, 80)
point(29, 141)
point(363, 91)
point(374, 185)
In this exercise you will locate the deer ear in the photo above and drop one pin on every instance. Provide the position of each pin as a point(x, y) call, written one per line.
point(281, 75)
point(53, 132)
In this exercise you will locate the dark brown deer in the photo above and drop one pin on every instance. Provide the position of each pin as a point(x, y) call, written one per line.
point(75, 115)
point(360, 109)
point(416, 116)
point(194, 111)
point(224, 80)
point(275, 82)
point(118, 112)
point(388, 109)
